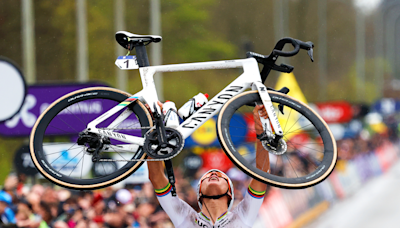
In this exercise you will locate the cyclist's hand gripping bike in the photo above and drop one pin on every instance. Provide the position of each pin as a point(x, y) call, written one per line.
point(115, 132)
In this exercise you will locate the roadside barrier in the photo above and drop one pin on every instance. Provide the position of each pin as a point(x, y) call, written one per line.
point(295, 208)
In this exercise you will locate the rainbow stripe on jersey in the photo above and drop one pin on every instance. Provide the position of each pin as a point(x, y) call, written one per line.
point(164, 191)
point(255, 194)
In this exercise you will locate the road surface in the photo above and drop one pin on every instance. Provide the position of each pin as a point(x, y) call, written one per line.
point(376, 204)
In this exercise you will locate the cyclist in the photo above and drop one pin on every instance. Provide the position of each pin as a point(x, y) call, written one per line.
point(215, 193)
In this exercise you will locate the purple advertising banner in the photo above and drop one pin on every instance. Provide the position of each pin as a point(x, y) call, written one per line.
point(38, 98)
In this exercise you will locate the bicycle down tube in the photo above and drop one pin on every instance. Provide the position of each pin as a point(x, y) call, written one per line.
point(250, 75)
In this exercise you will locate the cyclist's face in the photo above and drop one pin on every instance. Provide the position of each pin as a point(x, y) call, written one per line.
point(214, 183)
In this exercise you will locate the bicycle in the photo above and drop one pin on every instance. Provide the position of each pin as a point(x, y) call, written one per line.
point(132, 126)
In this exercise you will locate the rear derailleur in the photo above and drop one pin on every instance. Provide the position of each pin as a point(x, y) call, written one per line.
point(93, 143)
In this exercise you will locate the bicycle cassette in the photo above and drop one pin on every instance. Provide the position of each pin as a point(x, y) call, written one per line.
point(170, 149)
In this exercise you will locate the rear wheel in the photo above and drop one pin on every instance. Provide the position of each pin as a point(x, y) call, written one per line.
point(59, 157)
point(311, 149)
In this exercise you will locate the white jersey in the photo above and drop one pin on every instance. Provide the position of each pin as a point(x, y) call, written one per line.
point(184, 216)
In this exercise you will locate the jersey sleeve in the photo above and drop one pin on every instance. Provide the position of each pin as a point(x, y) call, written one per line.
point(248, 208)
point(176, 209)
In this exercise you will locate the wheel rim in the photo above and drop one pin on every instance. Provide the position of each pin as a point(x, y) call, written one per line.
point(72, 161)
point(307, 160)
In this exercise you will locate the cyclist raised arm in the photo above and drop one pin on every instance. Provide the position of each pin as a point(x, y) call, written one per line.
point(214, 193)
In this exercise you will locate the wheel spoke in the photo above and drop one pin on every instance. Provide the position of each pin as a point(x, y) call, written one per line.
point(292, 143)
point(298, 163)
point(262, 168)
point(61, 153)
point(66, 119)
point(83, 116)
point(295, 122)
point(118, 154)
point(75, 115)
point(63, 150)
point(105, 172)
point(82, 164)
point(68, 124)
point(77, 164)
point(287, 157)
point(59, 129)
point(70, 160)
point(287, 120)
point(295, 131)
point(276, 165)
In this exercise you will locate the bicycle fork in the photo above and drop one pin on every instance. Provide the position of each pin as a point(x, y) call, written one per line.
point(273, 139)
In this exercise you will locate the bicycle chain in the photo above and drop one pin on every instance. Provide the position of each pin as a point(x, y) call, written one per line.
point(145, 159)
point(125, 128)
point(126, 160)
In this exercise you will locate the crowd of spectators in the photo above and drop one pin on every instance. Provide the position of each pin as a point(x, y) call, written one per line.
point(368, 139)
point(134, 206)
point(46, 205)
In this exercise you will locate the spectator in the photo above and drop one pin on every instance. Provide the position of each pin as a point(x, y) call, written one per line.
point(6, 214)
point(41, 206)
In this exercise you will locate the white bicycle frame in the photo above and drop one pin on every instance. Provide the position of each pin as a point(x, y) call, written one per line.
point(249, 78)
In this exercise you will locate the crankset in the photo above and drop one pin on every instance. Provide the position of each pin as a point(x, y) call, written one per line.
point(173, 145)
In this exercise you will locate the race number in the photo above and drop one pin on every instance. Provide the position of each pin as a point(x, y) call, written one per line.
point(128, 62)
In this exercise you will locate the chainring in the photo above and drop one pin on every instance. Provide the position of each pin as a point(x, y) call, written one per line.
point(174, 144)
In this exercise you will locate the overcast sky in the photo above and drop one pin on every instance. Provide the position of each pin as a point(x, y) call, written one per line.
point(367, 5)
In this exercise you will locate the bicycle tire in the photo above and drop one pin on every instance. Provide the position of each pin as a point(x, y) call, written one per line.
point(84, 95)
point(322, 170)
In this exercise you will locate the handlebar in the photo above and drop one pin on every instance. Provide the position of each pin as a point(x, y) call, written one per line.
point(269, 60)
point(297, 44)
point(277, 51)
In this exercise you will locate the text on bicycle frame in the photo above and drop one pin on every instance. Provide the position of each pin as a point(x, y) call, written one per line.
point(210, 107)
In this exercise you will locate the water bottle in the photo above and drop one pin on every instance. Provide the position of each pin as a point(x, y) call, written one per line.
point(170, 116)
point(192, 105)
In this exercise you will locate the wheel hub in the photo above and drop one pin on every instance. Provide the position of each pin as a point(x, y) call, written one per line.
point(280, 149)
point(93, 143)
point(90, 140)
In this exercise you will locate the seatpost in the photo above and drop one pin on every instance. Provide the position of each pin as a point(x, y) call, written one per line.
point(141, 55)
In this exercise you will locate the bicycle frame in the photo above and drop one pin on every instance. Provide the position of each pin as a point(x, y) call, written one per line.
point(249, 77)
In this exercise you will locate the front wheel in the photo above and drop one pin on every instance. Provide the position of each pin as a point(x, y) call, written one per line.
point(311, 152)
point(65, 156)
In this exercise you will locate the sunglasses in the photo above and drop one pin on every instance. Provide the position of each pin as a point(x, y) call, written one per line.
point(219, 175)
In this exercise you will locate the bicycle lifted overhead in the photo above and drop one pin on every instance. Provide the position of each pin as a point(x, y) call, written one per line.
point(131, 130)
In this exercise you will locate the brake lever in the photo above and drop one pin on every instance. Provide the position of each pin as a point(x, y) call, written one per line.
point(283, 68)
point(310, 53)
